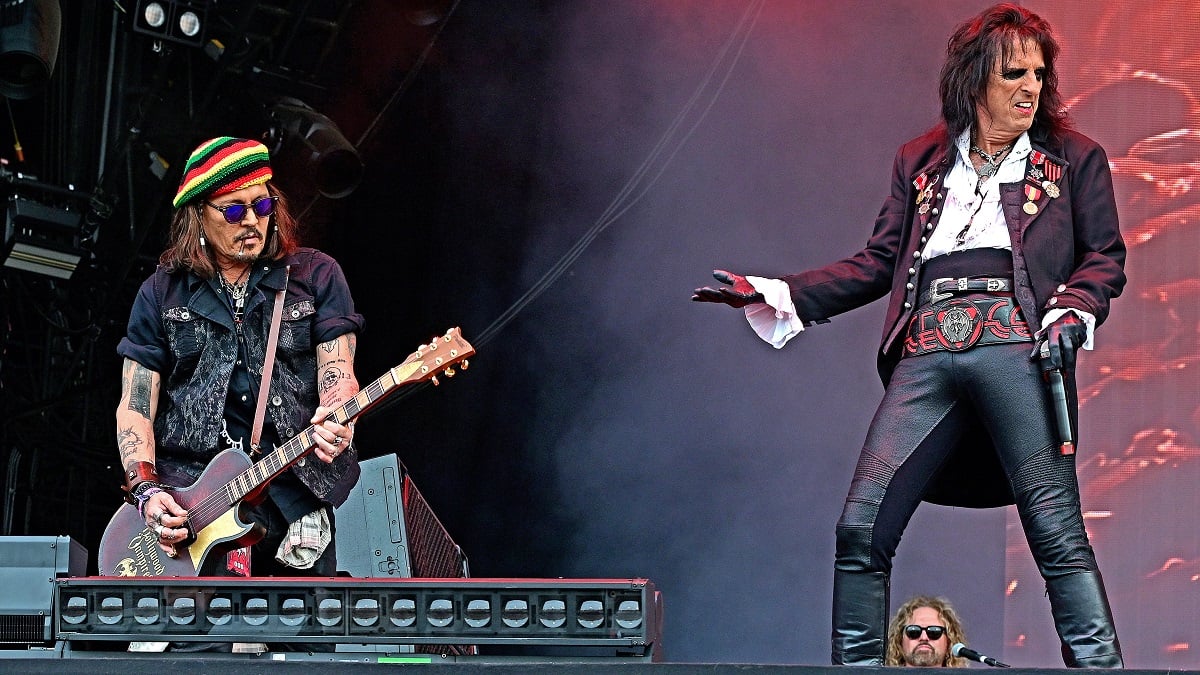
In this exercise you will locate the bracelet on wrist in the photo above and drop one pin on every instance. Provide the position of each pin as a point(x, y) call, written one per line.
point(143, 492)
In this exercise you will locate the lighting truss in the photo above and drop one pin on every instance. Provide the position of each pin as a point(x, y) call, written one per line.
point(622, 614)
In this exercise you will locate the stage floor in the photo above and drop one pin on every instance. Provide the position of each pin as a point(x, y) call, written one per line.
point(36, 662)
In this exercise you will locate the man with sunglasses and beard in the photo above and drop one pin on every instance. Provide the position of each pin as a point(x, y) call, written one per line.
point(195, 351)
point(922, 632)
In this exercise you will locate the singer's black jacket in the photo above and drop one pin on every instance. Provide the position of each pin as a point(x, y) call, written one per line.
point(1069, 254)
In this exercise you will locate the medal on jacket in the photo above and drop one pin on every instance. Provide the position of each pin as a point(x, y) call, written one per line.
point(919, 183)
point(1050, 185)
point(1043, 168)
point(1032, 193)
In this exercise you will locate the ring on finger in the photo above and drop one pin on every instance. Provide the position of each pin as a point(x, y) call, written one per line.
point(158, 529)
point(337, 441)
point(158, 518)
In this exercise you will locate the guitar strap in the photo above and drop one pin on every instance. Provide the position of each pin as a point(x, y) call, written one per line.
point(264, 385)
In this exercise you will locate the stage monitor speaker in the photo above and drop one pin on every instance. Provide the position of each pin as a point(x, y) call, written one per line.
point(28, 568)
point(385, 528)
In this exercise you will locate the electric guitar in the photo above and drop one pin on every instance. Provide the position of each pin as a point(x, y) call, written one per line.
point(129, 548)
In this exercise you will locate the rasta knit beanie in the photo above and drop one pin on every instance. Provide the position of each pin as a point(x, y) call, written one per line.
point(222, 165)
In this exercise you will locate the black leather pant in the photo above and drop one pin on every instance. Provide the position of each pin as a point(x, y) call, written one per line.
point(932, 400)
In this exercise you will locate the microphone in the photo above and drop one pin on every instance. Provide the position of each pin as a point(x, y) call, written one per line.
point(1058, 395)
point(962, 651)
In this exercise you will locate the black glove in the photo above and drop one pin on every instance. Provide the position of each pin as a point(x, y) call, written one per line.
point(740, 295)
point(1063, 337)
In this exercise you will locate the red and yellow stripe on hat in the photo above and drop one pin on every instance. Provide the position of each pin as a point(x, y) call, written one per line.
point(222, 165)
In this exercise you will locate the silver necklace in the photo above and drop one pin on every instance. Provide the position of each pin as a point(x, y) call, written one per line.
point(236, 291)
point(237, 294)
point(991, 161)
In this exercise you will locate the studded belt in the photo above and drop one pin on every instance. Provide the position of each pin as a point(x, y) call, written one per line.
point(963, 323)
point(947, 287)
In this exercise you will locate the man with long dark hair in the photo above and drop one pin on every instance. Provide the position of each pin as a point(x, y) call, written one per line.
point(195, 351)
point(999, 236)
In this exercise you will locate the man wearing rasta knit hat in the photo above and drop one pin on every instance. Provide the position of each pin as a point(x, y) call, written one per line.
point(222, 165)
point(195, 351)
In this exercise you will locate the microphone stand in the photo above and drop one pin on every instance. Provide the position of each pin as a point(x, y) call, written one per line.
point(962, 651)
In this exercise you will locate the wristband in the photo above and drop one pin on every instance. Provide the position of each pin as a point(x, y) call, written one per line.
point(139, 473)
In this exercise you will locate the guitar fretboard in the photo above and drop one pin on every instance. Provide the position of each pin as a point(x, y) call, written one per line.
point(279, 459)
point(442, 353)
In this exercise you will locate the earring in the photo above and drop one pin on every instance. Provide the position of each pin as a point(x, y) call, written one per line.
point(202, 242)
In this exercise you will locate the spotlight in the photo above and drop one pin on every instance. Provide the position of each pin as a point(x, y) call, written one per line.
point(146, 610)
point(365, 612)
point(553, 613)
point(478, 613)
point(189, 24)
point(29, 32)
point(155, 15)
point(41, 239)
point(182, 21)
point(628, 614)
point(591, 613)
point(516, 613)
point(404, 612)
point(440, 613)
point(293, 612)
point(305, 137)
point(183, 610)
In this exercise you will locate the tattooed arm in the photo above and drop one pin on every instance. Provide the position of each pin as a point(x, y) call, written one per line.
point(135, 441)
point(135, 414)
point(336, 384)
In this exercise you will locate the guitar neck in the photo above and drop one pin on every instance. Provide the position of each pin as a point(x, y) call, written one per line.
point(279, 459)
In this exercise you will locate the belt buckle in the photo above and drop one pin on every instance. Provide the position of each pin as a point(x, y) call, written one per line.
point(934, 296)
point(959, 325)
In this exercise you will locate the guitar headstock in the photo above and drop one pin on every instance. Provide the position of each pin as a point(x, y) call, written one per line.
point(439, 356)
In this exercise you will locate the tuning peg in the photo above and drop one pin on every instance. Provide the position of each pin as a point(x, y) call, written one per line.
point(449, 372)
point(435, 381)
point(464, 365)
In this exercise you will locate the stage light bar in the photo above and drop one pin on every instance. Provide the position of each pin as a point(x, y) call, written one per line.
point(624, 614)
